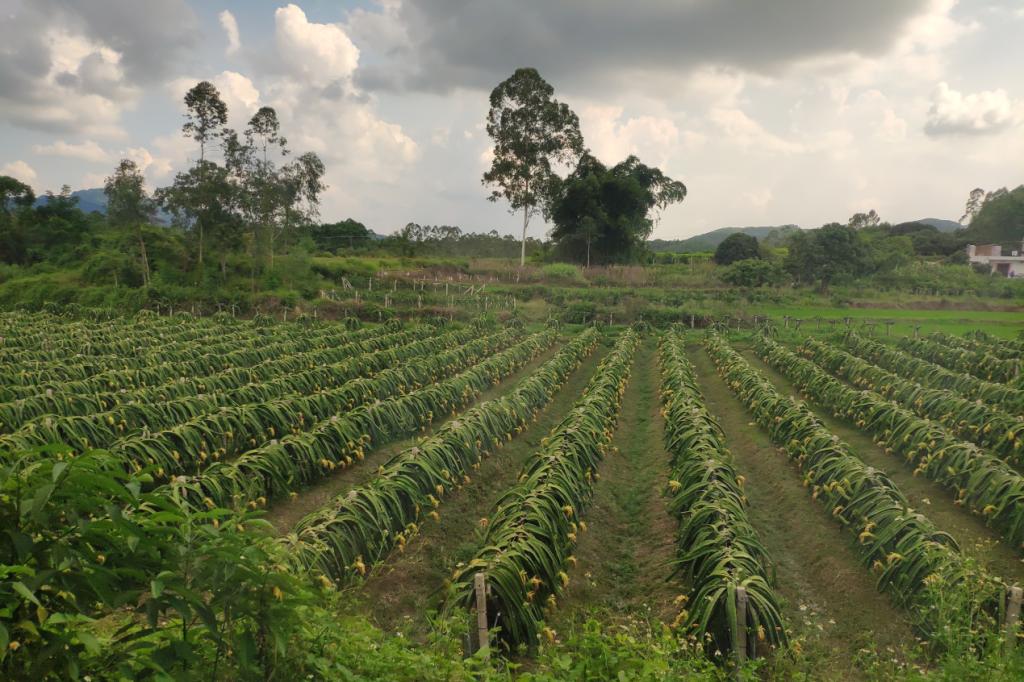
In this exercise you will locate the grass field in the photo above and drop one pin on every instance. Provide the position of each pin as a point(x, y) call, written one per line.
point(1005, 324)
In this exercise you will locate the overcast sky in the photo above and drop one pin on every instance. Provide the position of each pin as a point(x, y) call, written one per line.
point(789, 111)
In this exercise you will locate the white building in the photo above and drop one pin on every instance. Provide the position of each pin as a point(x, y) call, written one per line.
point(992, 255)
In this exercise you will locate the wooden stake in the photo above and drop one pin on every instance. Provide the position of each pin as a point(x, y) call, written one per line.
point(740, 644)
point(480, 587)
point(1013, 616)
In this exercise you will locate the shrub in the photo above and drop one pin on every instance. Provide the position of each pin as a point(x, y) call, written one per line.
point(564, 272)
point(753, 272)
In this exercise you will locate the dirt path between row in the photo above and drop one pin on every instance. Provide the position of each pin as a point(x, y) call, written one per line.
point(624, 560)
point(829, 599)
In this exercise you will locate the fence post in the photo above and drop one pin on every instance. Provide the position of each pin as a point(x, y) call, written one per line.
point(480, 587)
point(1013, 616)
point(740, 643)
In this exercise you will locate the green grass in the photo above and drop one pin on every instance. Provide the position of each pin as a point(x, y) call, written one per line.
point(1006, 324)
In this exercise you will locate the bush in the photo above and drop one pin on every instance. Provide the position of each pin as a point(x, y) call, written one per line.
point(564, 272)
point(753, 272)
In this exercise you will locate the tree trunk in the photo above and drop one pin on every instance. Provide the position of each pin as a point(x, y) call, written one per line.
point(145, 259)
point(588, 254)
point(253, 255)
point(526, 220)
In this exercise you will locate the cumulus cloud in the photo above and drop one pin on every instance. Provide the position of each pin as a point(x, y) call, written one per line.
point(153, 166)
point(981, 113)
point(318, 53)
point(19, 170)
point(75, 67)
point(306, 75)
point(237, 90)
point(230, 26)
point(87, 150)
point(612, 139)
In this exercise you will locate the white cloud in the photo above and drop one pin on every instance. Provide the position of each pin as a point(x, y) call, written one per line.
point(760, 197)
point(878, 114)
point(612, 139)
point(307, 79)
point(82, 88)
point(238, 92)
point(440, 136)
point(716, 86)
point(746, 133)
point(230, 26)
point(20, 170)
point(320, 54)
point(86, 151)
point(90, 180)
point(153, 166)
point(954, 113)
point(486, 156)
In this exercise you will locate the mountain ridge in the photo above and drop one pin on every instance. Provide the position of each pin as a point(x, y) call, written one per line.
point(709, 241)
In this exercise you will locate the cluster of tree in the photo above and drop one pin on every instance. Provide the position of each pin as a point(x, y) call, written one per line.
point(599, 213)
point(450, 240)
point(30, 231)
point(344, 235)
point(255, 198)
point(605, 214)
point(248, 203)
point(863, 247)
point(996, 217)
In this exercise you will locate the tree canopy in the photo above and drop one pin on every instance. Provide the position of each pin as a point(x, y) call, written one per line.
point(737, 247)
point(831, 252)
point(1000, 220)
point(532, 133)
point(606, 214)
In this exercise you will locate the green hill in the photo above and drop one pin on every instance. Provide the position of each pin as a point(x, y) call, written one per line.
point(941, 225)
point(709, 241)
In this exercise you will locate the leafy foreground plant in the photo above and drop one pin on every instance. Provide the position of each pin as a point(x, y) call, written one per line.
point(359, 528)
point(96, 577)
point(910, 556)
point(99, 581)
point(530, 535)
point(718, 550)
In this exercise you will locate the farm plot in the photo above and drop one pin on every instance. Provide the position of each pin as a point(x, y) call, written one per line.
point(981, 482)
point(586, 476)
point(910, 556)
